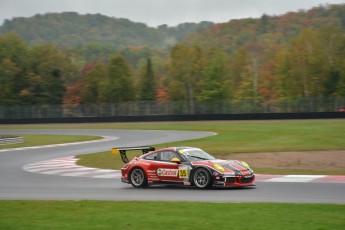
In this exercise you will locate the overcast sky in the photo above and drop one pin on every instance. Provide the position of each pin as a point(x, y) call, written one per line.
point(158, 12)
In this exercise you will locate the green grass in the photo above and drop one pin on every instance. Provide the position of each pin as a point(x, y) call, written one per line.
point(104, 160)
point(241, 137)
point(233, 137)
point(238, 136)
point(168, 215)
point(44, 139)
point(268, 136)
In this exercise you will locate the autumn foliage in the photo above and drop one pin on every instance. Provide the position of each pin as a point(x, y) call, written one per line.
point(296, 55)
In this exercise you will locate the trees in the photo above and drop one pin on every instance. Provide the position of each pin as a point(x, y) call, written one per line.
point(332, 46)
point(49, 69)
point(13, 64)
point(186, 70)
point(215, 83)
point(242, 76)
point(119, 84)
point(148, 86)
point(94, 83)
point(102, 83)
point(32, 75)
point(258, 61)
point(312, 64)
point(8, 82)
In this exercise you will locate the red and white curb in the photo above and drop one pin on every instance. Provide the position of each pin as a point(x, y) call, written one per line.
point(300, 178)
point(104, 138)
point(67, 166)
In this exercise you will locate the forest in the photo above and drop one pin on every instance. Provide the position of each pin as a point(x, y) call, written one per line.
point(71, 59)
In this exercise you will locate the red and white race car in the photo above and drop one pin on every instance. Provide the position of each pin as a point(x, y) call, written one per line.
point(182, 165)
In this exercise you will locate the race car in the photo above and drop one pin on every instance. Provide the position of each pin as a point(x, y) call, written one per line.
point(182, 165)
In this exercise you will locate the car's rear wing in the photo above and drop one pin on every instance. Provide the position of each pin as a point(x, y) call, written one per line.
point(122, 151)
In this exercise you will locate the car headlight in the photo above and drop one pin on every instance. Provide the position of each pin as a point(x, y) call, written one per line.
point(219, 168)
point(245, 164)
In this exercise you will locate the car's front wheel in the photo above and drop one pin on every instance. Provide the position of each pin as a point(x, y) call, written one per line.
point(202, 178)
point(138, 178)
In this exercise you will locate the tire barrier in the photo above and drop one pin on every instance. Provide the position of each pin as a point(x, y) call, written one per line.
point(6, 140)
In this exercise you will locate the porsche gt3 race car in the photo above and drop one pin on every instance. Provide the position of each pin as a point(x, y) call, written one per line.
point(182, 165)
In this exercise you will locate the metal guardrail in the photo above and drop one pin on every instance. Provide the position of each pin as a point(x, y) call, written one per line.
point(6, 140)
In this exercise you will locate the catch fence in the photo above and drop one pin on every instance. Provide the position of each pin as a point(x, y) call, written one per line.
point(145, 108)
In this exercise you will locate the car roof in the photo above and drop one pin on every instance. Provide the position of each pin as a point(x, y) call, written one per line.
point(176, 148)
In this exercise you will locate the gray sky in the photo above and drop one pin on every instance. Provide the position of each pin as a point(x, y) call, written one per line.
point(158, 12)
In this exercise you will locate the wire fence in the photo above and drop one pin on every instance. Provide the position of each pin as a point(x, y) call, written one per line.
point(143, 108)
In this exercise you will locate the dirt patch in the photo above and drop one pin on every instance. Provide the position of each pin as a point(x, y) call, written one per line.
point(312, 160)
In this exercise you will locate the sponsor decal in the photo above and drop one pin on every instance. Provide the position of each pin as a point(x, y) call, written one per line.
point(167, 172)
point(141, 163)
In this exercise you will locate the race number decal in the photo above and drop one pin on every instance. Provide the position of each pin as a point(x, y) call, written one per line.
point(183, 172)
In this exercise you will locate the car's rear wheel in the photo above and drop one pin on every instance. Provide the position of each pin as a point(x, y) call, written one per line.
point(138, 178)
point(202, 178)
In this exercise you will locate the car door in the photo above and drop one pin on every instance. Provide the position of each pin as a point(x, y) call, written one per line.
point(164, 168)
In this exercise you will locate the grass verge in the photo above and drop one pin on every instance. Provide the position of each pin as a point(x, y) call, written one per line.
point(243, 137)
point(238, 136)
point(168, 215)
point(234, 138)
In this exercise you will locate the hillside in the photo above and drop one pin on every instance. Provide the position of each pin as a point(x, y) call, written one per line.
point(71, 29)
point(80, 59)
point(269, 30)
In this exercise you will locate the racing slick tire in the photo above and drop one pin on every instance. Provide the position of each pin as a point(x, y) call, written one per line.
point(138, 178)
point(202, 178)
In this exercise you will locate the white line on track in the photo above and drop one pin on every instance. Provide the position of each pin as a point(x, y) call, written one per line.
point(104, 138)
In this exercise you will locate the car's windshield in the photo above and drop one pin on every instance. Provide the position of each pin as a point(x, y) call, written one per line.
point(194, 154)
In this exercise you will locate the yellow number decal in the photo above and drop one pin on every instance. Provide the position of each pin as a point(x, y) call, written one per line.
point(183, 172)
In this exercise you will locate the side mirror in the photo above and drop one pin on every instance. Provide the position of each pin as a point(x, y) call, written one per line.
point(176, 160)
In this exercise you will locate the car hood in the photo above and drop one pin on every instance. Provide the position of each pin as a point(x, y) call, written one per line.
point(226, 167)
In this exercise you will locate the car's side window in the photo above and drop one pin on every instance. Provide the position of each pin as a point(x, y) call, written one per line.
point(167, 155)
point(152, 156)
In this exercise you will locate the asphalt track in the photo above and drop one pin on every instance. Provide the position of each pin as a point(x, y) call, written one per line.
point(17, 184)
